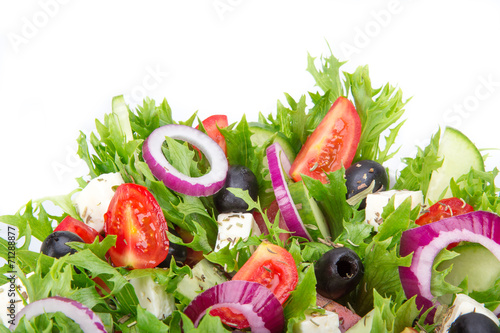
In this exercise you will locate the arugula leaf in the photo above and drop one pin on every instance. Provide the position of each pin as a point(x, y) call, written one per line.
point(302, 298)
point(332, 199)
point(417, 173)
point(328, 76)
point(381, 259)
point(390, 316)
point(147, 322)
point(378, 109)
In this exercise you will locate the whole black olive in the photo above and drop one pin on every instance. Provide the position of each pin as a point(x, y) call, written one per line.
point(178, 251)
point(238, 176)
point(360, 175)
point(338, 272)
point(473, 322)
point(55, 243)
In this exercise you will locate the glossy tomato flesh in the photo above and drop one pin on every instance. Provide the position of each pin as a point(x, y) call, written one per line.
point(137, 220)
point(443, 209)
point(271, 266)
point(88, 234)
point(212, 125)
point(332, 145)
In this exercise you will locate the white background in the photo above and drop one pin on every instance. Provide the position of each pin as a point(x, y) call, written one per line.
point(61, 62)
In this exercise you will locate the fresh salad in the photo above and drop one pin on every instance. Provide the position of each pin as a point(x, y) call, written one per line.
point(287, 222)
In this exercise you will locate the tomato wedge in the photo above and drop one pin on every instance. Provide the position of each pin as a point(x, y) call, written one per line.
point(444, 208)
point(88, 234)
point(332, 145)
point(212, 125)
point(271, 266)
point(137, 220)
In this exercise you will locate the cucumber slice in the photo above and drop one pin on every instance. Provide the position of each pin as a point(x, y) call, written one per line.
point(475, 262)
point(309, 211)
point(459, 155)
point(262, 132)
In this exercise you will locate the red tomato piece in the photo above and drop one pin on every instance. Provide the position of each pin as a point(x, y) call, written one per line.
point(332, 145)
point(212, 125)
point(271, 266)
point(88, 234)
point(444, 208)
point(137, 220)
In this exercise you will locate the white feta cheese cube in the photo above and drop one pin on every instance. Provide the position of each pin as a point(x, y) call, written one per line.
point(376, 202)
point(319, 323)
point(93, 201)
point(235, 226)
point(464, 304)
point(153, 297)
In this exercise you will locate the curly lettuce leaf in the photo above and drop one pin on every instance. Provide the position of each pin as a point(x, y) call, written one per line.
point(417, 173)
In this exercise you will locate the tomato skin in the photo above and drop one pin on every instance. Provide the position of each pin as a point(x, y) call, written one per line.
point(273, 267)
point(210, 125)
point(332, 145)
point(444, 208)
point(137, 220)
point(88, 234)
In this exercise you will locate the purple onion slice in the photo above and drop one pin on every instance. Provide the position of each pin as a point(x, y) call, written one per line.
point(205, 185)
point(427, 241)
point(279, 167)
point(79, 313)
point(254, 301)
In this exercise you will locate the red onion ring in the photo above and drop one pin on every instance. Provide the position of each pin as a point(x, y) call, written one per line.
point(257, 303)
point(205, 185)
point(82, 315)
point(427, 241)
point(279, 166)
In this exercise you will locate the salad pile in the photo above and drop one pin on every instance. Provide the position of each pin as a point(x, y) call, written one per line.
point(286, 223)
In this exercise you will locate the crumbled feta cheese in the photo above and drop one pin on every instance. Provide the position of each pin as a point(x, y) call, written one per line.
point(376, 202)
point(464, 304)
point(233, 226)
point(318, 323)
point(153, 297)
point(93, 201)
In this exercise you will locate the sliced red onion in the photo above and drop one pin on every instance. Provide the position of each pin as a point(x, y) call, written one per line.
point(427, 241)
point(279, 167)
point(81, 315)
point(205, 185)
point(258, 304)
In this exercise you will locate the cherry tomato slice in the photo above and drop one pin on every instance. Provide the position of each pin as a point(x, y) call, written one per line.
point(271, 266)
point(444, 208)
point(332, 145)
point(137, 220)
point(212, 125)
point(88, 234)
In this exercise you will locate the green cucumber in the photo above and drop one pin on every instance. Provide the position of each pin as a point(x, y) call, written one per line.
point(261, 133)
point(205, 275)
point(309, 211)
point(459, 155)
point(475, 262)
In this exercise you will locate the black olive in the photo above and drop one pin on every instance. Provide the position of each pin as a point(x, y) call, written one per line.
point(338, 272)
point(55, 243)
point(178, 251)
point(473, 322)
point(238, 176)
point(360, 175)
